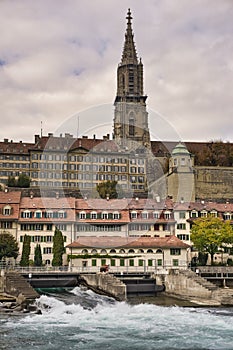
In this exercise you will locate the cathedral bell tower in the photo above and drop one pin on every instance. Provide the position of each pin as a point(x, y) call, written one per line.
point(130, 115)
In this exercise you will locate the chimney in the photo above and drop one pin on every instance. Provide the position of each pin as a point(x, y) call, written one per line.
point(37, 138)
point(6, 140)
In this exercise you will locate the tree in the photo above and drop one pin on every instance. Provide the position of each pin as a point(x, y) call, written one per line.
point(11, 182)
point(26, 251)
point(8, 246)
point(107, 189)
point(38, 256)
point(58, 248)
point(23, 181)
point(209, 234)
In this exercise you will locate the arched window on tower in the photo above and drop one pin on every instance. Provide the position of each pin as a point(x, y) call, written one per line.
point(123, 83)
point(131, 126)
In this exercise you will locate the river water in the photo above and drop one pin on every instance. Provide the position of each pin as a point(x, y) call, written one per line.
point(81, 319)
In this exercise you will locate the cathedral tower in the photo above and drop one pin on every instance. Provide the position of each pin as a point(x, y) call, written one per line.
point(130, 116)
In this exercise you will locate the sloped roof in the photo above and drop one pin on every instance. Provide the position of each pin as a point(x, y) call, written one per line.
point(69, 143)
point(128, 242)
point(13, 200)
point(47, 203)
point(15, 147)
point(10, 197)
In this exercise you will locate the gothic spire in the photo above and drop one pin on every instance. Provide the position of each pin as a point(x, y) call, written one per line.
point(129, 55)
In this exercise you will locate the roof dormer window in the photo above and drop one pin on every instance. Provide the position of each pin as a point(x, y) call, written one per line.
point(7, 210)
point(104, 215)
point(227, 216)
point(133, 215)
point(26, 214)
point(82, 215)
point(93, 215)
point(116, 215)
point(145, 215)
point(203, 214)
point(167, 215)
point(38, 214)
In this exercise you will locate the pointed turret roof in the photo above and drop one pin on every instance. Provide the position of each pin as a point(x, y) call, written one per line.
point(129, 51)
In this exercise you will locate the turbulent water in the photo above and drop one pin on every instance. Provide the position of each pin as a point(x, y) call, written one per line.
point(81, 319)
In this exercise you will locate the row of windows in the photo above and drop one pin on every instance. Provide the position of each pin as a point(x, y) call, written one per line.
point(5, 224)
point(147, 227)
point(40, 239)
point(94, 215)
point(183, 237)
point(205, 214)
point(181, 226)
point(97, 228)
point(14, 165)
point(13, 173)
point(77, 158)
point(44, 214)
point(36, 227)
point(24, 158)
point(148, 215)
point(123, 251)
point(173, 251)
point(132, 262)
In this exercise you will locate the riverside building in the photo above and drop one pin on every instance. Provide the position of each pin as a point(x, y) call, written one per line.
point(139, 220)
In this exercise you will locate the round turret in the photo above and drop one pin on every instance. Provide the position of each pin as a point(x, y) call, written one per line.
point(180, 150)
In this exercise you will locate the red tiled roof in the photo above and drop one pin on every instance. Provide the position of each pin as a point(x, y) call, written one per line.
point(121, 204)
point(208, 206)
point(70, 144)
point(47, 203)
point(15, 147)
point(102, 204)
point(12, 199)
point(128, 242)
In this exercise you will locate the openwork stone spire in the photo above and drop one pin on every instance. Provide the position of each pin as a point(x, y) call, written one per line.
point(130, 116)
point(129, 52)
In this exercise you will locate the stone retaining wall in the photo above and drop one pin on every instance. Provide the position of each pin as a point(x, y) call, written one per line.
point(180, 286)
point(106, 283)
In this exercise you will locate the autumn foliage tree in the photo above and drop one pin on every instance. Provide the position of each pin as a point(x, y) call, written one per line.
point(209, 234)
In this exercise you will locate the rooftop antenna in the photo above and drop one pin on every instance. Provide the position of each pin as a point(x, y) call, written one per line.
point(41, 129)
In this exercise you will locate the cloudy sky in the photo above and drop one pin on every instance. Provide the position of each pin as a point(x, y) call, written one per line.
point(58, 62)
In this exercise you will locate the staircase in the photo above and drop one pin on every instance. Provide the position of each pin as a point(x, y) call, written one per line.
point(15, 284)
point(200, 280)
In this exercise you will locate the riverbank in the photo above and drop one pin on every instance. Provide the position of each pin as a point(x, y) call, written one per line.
point(14, 305)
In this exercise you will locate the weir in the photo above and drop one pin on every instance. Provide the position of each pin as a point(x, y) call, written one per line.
point(120, 286)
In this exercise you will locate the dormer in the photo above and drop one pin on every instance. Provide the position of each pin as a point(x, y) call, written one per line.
point(7, 210)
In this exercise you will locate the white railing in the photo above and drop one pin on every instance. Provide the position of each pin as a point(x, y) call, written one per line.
point(95, 269)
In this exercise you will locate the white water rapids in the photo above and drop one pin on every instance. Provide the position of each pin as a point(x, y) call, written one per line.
point(86, 321)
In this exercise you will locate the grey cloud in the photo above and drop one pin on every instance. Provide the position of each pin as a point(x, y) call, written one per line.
point(59, 58)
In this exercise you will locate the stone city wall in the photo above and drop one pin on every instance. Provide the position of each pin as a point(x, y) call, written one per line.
point(215, 183)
